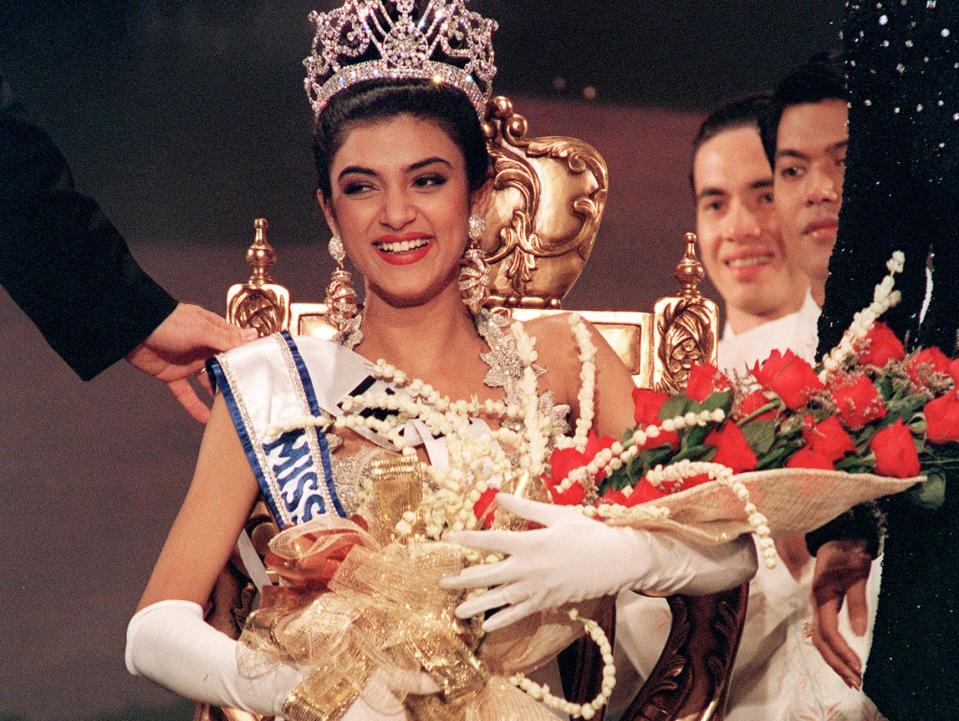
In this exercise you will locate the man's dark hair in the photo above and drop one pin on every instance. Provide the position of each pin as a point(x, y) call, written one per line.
point(822, 77)
point(745, 112)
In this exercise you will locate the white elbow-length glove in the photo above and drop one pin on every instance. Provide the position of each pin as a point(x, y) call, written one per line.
point(170, 644)
point(574, 558)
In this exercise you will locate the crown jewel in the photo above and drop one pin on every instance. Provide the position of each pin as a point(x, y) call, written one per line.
point(445, 43)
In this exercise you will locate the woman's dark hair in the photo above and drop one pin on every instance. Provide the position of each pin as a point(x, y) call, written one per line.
point(382, 99)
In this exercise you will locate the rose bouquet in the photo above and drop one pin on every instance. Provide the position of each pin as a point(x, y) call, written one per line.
point(868, 415)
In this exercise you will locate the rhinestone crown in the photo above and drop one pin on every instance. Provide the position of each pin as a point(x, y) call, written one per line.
point(445, 43)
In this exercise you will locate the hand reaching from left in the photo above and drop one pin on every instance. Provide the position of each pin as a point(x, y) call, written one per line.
point(179, 347)
point(574, 558)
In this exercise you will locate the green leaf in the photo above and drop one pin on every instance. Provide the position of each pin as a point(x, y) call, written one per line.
point(931, 494)
point(617, 480)
point(886, 388)
point(696, 436)
point(760, 435)
point(675, 406)
point(696, 453)
point(777, 456)
point(649, 458)
point(719, 399)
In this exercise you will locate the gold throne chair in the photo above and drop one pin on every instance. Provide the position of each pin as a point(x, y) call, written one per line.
point(549, 194)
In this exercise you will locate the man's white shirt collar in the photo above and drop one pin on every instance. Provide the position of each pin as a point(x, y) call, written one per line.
point(797, 332)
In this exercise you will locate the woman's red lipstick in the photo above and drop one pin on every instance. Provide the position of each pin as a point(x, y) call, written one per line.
point(413, 246)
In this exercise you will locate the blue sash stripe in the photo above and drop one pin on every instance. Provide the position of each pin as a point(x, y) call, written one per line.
point(315, 410)
point(221, 382)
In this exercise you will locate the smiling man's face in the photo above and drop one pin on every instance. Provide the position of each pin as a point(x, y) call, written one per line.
point(738, 229)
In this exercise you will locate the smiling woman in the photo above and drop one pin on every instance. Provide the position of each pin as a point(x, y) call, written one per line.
point(400, 197)
point(402, 164)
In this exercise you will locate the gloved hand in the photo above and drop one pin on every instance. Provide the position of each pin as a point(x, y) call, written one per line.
point(169, 643)
point(379, 701)
point(575, 558)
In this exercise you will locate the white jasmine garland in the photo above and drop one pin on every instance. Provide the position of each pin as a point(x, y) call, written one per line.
point(576, 710)
point(622, 454)
point(884, 297)
point(587, 375)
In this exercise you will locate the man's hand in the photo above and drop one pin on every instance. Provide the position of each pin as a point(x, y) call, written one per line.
point(842, 569)
point(179, 347)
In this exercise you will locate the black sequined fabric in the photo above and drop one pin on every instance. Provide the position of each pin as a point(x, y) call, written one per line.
point(902, 181)
point(902, 193)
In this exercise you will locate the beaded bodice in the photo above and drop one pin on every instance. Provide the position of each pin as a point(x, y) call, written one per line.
point(352, 473)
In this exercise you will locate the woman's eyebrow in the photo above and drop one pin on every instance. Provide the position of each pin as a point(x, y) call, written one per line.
point(427, 161)
point(355, 169)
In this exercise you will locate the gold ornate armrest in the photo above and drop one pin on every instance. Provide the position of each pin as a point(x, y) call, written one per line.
point(690, 682)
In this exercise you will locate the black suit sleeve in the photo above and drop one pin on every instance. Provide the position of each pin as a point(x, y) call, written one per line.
point(61, 259)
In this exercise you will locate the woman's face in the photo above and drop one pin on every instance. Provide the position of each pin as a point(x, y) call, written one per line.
point(400, 202)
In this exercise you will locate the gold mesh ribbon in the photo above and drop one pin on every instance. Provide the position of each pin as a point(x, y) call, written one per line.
point(794, 502)
point(379, 620)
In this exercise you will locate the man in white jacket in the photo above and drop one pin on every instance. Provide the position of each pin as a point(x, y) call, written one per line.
point(779, 675)
point(765, 295)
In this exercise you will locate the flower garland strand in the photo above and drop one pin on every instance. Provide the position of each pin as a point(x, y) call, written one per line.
point(620, 454)
point(884, 298)
point(587, 386)
point(576, 710)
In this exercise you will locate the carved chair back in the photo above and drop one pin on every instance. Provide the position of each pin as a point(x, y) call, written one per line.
point(548, 198)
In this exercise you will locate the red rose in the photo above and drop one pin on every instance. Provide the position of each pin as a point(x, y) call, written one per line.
point(942, 419)
point(613, 497)
point(857, 401)
point(703, 381)
point(808, 458)
point(694, 481)
point(880, 346)
point(481, 506)
point(572, 496)
point(643, 493)
point(788, 376)
point(954, 371)
point(564, 460)
point(753, 402)
point(732, 449)
point(646, 405)
point(829, 440)
point(925, 362)
point(561, 462)
point(895, 451)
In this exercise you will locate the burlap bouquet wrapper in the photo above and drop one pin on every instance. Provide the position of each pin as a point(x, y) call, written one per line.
point(794, 502)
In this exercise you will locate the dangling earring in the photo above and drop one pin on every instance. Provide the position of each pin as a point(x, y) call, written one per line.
point(474, 270)
point(341, 310)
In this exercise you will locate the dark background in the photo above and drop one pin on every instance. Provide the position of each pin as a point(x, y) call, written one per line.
point(188, 119)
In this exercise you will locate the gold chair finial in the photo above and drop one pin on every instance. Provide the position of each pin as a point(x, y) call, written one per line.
point(259, 303)
point(689, 271)
point(260, 255)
